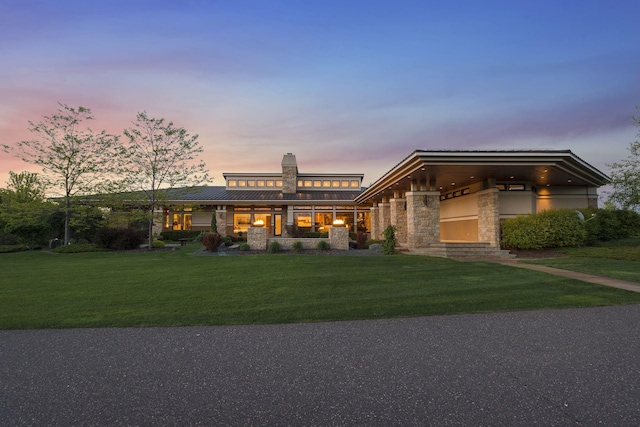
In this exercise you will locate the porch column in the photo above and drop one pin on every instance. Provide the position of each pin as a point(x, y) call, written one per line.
point(399, 217)
point(489, 216)
point(375, 233)
point(423, 218)
point(384, 216)
point(221, 220)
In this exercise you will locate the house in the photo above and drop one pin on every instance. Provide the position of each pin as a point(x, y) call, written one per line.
point(277, 201)
point(430, 196)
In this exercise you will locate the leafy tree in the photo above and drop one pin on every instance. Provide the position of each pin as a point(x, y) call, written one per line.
point(73, 158)
point(625, 175)
point(24, 212)
point(159, 157)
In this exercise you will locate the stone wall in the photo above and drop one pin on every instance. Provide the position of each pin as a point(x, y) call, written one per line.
point(221, 221)
point(257, 238)
point(489, 216)
point(384, 218)
point(399, 219)
point(339, 238)
point(423, 218)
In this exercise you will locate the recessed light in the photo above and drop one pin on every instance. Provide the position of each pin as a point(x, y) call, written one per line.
point(569, 180)
point(511, 177)
point(453, 183)
point(472, 177)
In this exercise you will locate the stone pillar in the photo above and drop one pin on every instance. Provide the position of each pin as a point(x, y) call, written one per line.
point(374, 211)
point(423, 218)
point(339, 238)
point(489, 216)
point(384, 217)
point(221, 221)
point(399, 218)
point(257, 238)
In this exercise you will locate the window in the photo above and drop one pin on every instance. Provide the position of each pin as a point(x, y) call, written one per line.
point(241, 222)
point(317, 184)
point(323, 221)
point(354, 183)
point(516, 187)
point(270, 183)
point(345, 184)
point(260, 183)
point(233, 183)
point(302, 220)
point(279, 183)
point(251, 183)
point(326, 183)
point(307, 183)
point(335, 183)
point(242, 183)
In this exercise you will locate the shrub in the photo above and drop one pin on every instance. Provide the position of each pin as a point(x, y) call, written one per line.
point(228, 241)
point(179, 234)
point(389, 244)
point(372, 242)
point(9, 239)
point(274, 247)
point(323, 245)
point(5, 249)
point(212, 241)
point(315, 235)
point(605, 224)
point(294, 231)
point(297, 247)
point(361, 240)
point(157, 244)
point(244, 247)
point(555, 228)
point(76, 249)
point(119, 239)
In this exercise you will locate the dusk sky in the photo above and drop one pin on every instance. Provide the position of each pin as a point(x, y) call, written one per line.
point(347, 86)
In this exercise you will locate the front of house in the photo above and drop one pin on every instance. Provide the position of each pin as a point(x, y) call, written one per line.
point(430, 196)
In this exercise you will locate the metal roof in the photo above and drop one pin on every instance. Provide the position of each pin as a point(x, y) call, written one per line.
point(221, 195)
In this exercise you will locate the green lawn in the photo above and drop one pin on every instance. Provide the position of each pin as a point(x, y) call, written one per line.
point(171, 288)
point(617, 259)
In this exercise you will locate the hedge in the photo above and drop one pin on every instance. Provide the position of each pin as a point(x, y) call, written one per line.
point(179, 234)
point(554, 228)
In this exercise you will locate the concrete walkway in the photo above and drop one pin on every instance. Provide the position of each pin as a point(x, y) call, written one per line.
point(606, 281)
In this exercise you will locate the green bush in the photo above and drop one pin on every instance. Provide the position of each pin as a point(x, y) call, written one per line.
point(315, 235)
point(244, 247)
point(322, 245)
point(555, 228)
point(297, 247)
point(605, 224)
point(8, 240)
point(76, 249)
point(361, 240)
point(157, 244)
point(119, 239)
point(5, 249)
point(389, 244)
point(228, 241)
point(274, 247)
point(212, 241)
point(179, 234)
point(372, 242)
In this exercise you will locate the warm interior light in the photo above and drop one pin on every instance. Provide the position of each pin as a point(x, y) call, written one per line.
point(338, 223)
point(258, 223)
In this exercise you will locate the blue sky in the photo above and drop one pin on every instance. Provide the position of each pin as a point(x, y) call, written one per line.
point(348, 86)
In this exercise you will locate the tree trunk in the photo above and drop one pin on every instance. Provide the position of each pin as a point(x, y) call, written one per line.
point(67, 220)
point(151, 230)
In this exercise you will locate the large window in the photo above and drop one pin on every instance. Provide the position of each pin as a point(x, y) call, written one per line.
point(178, 218)
point(323, 221)
point(303, 220)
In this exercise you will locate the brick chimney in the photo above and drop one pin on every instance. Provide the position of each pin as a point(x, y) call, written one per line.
point(289, 174)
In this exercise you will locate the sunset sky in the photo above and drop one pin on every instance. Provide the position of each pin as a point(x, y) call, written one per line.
point(347, 86)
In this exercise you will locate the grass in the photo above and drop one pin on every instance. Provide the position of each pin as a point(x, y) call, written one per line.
point(175, 288)
point(618, 259)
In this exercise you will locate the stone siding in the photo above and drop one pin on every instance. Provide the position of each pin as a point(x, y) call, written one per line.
point(257, 238)
point(339, 238)
point(423, 218)
point(399, 219)
point(384, 218)
point(489, 217)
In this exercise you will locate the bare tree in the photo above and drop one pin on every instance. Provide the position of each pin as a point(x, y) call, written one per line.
point(160, 157)
point(73, 158)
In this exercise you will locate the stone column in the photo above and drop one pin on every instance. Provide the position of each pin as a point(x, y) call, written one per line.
point(339, 238)
point(489, 216)
point(221, 221)
point(257, 238)
point(374, 211)
point(423, 218)
point(384, 216)
point(399, 218)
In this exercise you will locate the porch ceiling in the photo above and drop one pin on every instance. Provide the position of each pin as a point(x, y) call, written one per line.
point(450, 170)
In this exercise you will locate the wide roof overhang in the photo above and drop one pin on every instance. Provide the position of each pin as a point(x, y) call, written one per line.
point(449, 170)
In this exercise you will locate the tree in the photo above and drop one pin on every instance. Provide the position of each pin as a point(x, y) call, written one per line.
point(159, 157)
point(625, 175)
point(24, 211)
point(73, 158)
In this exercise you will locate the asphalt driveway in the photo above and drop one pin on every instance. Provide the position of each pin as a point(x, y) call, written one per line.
point(553, 367)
